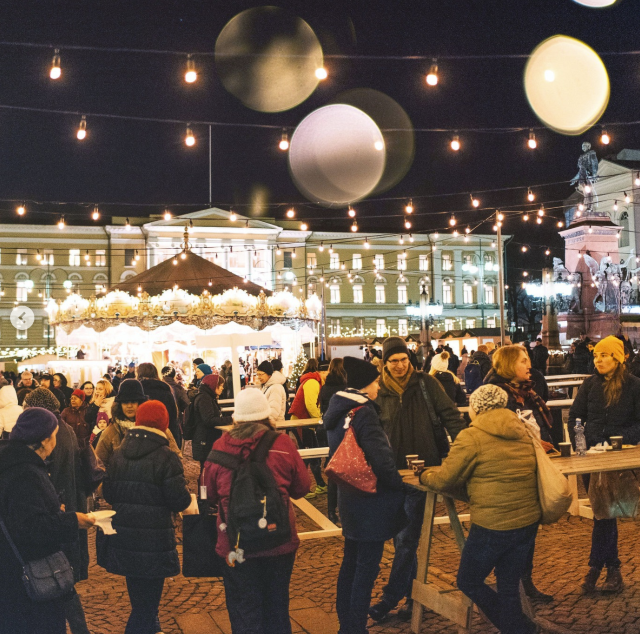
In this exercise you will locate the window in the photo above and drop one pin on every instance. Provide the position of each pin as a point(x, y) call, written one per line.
point(101, 257)
point(335, 293)
point(334, 261)
point(74, 257)
point(402, 262)
point(378, 262)
point(424, 262)
point(470, 323)
point(357, 262)
point(380, 295)
point(21, 257)
point(287, 261)
point(447, 293)
point(381, 327)
point(129, 257)
point(448, 324)
point(48, 257)
point(402, 328)
point(49, 332)
point(21, 334)
point(491, 322)
point(447, 263)
point(402, 294)
point(334, 327)
point(467, 293)
point(358, 326)
point(357, 294)
point(21, 292)
point(312, 260)
point(489, 295)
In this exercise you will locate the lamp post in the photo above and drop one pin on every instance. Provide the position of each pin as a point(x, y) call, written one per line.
point(426, 311)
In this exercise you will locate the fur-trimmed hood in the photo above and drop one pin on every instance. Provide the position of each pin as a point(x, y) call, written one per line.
point(342, 403)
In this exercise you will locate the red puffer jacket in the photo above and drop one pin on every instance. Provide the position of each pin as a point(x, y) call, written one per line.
point(289, 471)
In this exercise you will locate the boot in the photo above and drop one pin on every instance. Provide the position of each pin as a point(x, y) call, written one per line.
point(533, 593)
point(613, 582)
point(333, 517)
point(406, 611)
point(379, 611)
point(589, 583)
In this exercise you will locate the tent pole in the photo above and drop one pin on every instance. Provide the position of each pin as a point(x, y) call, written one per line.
point(235, 360)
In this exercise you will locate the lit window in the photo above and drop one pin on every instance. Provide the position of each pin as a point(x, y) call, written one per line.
point(48, 332)
point(74, 257)
point(101, 258)
point(380, 295)
point(402, 294)
point(21, 257)
point(129, 257)
point(447, 293)
point(357, 294)
point(447, 264)
point(467, 293)
point(378, 262)
point(491, 322)
point(48, 257)
point(489, 295)
point(21, 292)
point(402, 262)
point(448, 324)
point(470, 323)
point(335, 293)
point(357, 262)
point(381, 327)
point(403, 330)
point(21, 334)
point(358, 325)
point(334, 261)
point(312, 261)
point(334, 327)
point(424, 262)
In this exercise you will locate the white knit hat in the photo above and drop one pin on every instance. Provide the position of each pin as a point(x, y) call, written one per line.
point(439, 364)
point(250, 405)
point(488, 397)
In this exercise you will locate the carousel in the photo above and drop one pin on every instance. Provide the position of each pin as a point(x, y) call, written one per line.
point(180, 309)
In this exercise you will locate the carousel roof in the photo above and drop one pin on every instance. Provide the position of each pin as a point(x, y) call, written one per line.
point(191, 273)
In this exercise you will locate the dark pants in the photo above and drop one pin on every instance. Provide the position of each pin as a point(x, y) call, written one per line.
point(310, 441)
point(358, 573)
point(507, 553)
point(144, 595)
point(332, 497)
point(604, 544)
point(74, 613)
point(257, 593)
point(405, 563)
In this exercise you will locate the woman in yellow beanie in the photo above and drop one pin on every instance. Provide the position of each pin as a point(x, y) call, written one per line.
point(608, 404)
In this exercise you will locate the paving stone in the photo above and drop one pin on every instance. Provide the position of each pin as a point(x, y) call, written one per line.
point(316, 621)
point(200, 623)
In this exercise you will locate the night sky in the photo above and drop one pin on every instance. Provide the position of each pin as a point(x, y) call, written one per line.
point(135, 168)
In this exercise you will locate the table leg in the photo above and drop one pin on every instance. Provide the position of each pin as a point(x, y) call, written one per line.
point(423, 557)
point(454, 521)
point(574, 509)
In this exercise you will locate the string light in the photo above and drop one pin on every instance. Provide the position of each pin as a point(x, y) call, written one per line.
point(539, 220)
point(409, 207)
point(354, 226)
point(167, 214)
point(500, 217)
point(627, 198)
point(580, 207)
point(321, 73)
point(330, 249)
point(452, 221)
point(455, 143)
point(87, 257)
point(532, 143)
point(541, 210)
point(175, 261)
point(410, 237)
point(96, 213)
point(137, 256)
point(284, 142)
point(61, 223)
point(321, 247)
point(190, 75)
point(525, 218)
point(436, 235)
point(560, 224)
point(81, 134)
point(55, 72)
point(468, 229)
point(455, 233)
point(210, 282)
point(474, 201)
point(232, 216)
point(401, 241)
point(587, 189)
point(615, 205)
point(303, 226)
point(278, 250)
point(189, 139)
point(637, 181)
point(366, 243)
point(407, 223)
point(293, 253)
point(524, 249)
point(604, 137)
point(530, 195)
point(547, 252)
point(21, 210)
point(525, 274)
point(432, 75)
point(127, 225)
point(183, 256)
point(351, 212)
point(291, 213)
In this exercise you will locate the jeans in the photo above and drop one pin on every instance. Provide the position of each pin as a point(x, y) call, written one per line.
point(507, 552)
point(144, 595)
point(74, 613)
point(604, 544)
point(405, 562)
point(257, 593)
point(358, 573)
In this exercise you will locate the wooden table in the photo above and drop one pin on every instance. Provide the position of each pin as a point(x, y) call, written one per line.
point(287, 424)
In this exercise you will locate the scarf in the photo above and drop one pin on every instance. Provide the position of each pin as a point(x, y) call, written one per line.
point(523, 391)
point(396, 385)
point(126, 424)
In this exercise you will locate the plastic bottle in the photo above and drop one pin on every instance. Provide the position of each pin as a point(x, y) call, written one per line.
point(581, 443)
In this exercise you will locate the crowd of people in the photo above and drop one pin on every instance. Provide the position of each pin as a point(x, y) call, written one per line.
point(66, 450)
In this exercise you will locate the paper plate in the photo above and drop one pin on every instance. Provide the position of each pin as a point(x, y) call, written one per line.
point(103, 515)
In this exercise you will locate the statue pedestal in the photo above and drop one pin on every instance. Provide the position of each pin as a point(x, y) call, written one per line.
point(596, 325)
point(550, 333)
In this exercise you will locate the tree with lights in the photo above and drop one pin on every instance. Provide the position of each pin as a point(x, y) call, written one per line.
point(298, 369)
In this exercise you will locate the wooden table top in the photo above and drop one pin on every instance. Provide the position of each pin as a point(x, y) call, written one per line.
point(287, 424)
point(604, 461)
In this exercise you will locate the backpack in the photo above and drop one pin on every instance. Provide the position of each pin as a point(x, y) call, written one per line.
point(189, 425)
point(472, 376)
point(257, 517)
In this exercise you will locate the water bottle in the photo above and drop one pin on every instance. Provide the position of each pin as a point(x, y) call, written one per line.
point(581, 443)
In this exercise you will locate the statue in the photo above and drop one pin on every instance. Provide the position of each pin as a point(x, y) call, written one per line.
point(613, 282)
point(575, 279)
point(560, 271)
point(587, 167)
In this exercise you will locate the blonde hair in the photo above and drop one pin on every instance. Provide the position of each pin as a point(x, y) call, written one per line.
point(505, 359)
point(108, 388)
point(613, 385)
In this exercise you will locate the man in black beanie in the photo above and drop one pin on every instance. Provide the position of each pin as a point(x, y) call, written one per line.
point(415, 410)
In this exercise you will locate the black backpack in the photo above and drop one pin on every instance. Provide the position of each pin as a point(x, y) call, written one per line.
point(257, 518)
point(472, 376)
point(189, 425)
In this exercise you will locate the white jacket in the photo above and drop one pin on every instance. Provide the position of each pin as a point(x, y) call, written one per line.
point(9, 408)
point(274, 391)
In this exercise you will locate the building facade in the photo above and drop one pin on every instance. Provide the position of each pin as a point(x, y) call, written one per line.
point(370, 282)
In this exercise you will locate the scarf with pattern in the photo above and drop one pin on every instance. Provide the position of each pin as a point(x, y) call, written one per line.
point(523, 391)
point(396, 385)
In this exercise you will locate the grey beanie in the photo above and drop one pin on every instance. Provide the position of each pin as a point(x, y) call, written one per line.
point(488, 397)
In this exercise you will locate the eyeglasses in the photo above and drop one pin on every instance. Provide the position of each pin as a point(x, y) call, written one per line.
point(398, 361)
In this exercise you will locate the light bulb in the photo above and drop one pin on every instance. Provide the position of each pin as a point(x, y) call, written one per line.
point(96, 214)
point(21, 210)
point(436, 235)
point(580, 207)
point(183, 256)
point(321, 247)
point(303, 226)
point(530, 195)
point(38, 256)
point(409, 207)
point(410, 237)
point(541, 211)
point(284, 142)
point(525, 218)
point(539, 220)
point(167, 214)
point(468, 229)
point(604, 137)
point(637, 181)
point(189, 139)
point(87, 256)
point(352, 212)
point(175, 261)
point(321, 73)
point(127, 225)
point(331, 249)
point(547, 252)
point(525, 274)
point(190, 75)
point(532, 143)
point(354, 226)
point(627, 198)
point(500, 217)
point(455, 143)
point(560, 224)
point(524, 249)
point(578, 213)
point(232, 216)
point(137, 256)
point(82, 129)
point(615, 206)
point(407, 224)
point(452, 221)
point(291, 213)
point(401, 241)
point(293, 254)
point(61, 223)
point(366, 243)
point(474, 201)
point(55, 72)
point(278, 251)
point(432, 76)
point(587, 189)
point(455, 233)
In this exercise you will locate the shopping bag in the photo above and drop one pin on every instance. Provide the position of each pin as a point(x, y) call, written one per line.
point(614, 494)
point(553, 489)
point(348, 466)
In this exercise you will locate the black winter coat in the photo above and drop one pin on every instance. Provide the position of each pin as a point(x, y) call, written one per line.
point(367, 517)
point(145, 484)
point(602, 422)
point(208, 418)
point(451, 387)
point(485, 362)
point(31, 512)
point(332, 385)
point(179, 394)
point(158, 390)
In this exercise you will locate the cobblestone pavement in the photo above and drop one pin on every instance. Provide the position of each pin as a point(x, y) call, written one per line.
point(196, 606)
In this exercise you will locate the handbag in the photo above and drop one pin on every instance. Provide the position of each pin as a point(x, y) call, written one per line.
point(348, 466)
point(614, 494)
point(199, 539)
point(553, 488)
point(44, 579)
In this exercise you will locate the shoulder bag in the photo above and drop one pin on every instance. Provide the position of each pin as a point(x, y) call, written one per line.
point(45, 579)
point(442, 440)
